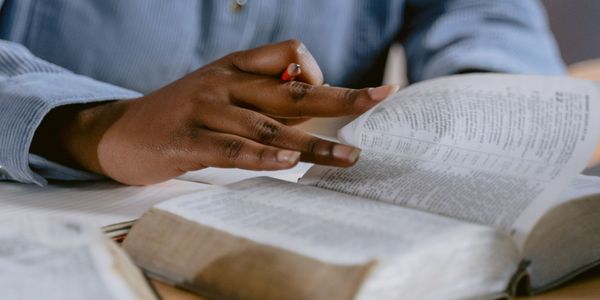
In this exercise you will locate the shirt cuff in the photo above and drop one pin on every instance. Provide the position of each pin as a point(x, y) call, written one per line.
point(25, 101)
point(492, 60)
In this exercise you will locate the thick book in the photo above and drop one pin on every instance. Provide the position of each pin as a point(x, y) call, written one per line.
point(60, 258)
point(468, 187)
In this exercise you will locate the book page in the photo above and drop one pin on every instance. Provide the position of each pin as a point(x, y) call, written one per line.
point(319, 223)
point(406, 246)
point(51, 258)
point(491, 149)
point(97, 203)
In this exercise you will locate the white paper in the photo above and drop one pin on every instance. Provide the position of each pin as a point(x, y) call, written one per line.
point(98, 203)
point(492, 149)
point(57, 259)
point(222, 176)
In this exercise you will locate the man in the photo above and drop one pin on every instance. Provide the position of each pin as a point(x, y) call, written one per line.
point(232, 111)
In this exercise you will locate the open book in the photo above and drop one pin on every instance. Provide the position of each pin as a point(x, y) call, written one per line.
point(57, 258)
point(467, 187)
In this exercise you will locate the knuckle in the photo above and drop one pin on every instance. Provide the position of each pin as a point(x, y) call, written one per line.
point(232, 149)
point(266, 131)
point(297, 47)
point(298, 90)
point(349, 96)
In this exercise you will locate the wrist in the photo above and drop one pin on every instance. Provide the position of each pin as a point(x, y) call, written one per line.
point(70, 134)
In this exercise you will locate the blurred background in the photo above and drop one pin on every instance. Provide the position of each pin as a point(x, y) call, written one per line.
point(576, 25)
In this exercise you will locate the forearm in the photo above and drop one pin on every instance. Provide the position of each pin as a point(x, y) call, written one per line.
point(29, 89)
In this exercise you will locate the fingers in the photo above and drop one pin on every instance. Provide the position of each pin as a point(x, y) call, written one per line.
point(266, 131)
point(229, 151)
point(298, 99)
point(273, 59)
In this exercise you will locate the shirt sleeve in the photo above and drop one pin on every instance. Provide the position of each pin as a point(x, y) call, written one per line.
point(29, 89)
point(450, 36)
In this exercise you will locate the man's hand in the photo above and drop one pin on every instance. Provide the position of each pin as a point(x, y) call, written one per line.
point(230, 113)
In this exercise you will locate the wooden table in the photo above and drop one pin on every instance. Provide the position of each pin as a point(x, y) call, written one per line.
point(587, 287)
point(584, 287)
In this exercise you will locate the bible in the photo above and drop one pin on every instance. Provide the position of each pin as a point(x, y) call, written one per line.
point(62, 258)
point(468, 187)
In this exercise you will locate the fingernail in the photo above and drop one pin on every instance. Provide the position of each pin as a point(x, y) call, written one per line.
point(294, 69)
point(344, 152)
point(287, 156)
point(382, 92)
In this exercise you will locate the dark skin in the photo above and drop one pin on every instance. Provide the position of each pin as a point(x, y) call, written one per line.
point(232, 113)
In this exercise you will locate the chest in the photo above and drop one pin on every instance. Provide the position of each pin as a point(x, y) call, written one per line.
point(144, 44)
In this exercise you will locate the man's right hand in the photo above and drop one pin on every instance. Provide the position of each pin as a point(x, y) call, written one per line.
point(231, 113)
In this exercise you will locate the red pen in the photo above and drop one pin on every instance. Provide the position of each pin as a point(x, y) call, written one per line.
point(291, 72)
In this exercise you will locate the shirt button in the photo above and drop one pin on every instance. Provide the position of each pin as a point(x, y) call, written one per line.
point(4, 173)
point(238, 5)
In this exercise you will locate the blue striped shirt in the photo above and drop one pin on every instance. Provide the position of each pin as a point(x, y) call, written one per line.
point(58, 52)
